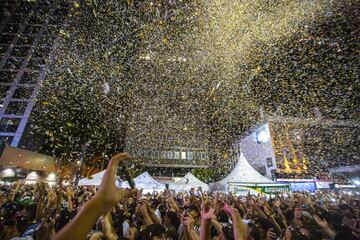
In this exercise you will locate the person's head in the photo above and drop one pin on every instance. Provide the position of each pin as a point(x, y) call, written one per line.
point(29, 211)
point(306, 232)
point(154, 232)
point(253, 232)
point(133, 233)
point(64, 217)
point(345, 210)
point(10, 229)
point(223, 217)
point(264, 224)
point(228, 233)
point(299, 235)
point(297, 212)
point(348, 235)
point(171, 219)
point(194, 211)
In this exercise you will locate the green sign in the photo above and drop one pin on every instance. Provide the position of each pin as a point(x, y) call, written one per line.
point(264, 188)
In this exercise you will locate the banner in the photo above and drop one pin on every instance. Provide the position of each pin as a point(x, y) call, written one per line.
point(264, 188)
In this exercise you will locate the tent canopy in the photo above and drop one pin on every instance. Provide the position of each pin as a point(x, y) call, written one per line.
point(95, 180)
point(146, 182)
point(187, 182)
point(17, 157)
point(242, 173)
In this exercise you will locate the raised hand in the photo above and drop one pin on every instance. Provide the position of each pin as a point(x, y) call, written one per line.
point(108, 193)
point(288, 234)
point(105, 198)
point(322, 223)
point(270, 234)
point(189, 222)
point(207, 216)
point(325, 227)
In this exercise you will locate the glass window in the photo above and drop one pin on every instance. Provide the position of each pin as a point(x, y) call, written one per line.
point(23, 92)
point(3, 92)
point(7, 76)
point(29, 77)
point(163, 154)
point(176, 155)
point(170, 154)
point(157, 154)
point(9, 124)
point(13, 63)
point(11, 28)
point(3, 49)
point(183, 155)
point(41, 51)
point(6, 139)
point(189, 155)
point(36, 19)
point(6, 38)
point(16, 18)
point(20, 51)
point(16, 108)
point(36, 64)
point(32, 29)
point(25, 40)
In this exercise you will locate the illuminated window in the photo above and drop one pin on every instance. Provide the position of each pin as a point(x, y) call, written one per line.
point(152, 154)
point(204, 156)
point(176, 155)
point(183, 155)
point(156, 154)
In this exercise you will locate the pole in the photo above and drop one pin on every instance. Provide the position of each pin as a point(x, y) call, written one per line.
point(82, 155)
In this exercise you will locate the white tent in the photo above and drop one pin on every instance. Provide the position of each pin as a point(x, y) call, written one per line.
point(145, 182)
point(95, 180)
point(242, 173)
point(187, 182)
point(7, 173)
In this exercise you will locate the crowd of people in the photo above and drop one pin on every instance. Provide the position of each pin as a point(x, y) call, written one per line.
point(60, 212)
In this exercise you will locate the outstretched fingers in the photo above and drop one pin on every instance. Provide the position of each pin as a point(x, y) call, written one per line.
point(112, 167)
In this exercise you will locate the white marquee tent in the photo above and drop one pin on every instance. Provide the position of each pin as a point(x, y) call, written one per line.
point(145, 182)
point(187, 182)
point(242, 173)
point(95, 180)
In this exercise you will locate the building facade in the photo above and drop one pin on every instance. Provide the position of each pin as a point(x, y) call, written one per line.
point(28, 30)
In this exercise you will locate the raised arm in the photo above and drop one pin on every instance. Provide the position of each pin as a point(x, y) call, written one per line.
point(107, 195)
point(325, 226)
point(239, 227)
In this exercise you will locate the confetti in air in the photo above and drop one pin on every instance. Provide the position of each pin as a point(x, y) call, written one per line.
point(194, 74)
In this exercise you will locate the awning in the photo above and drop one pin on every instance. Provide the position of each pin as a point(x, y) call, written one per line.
point(21, 158)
